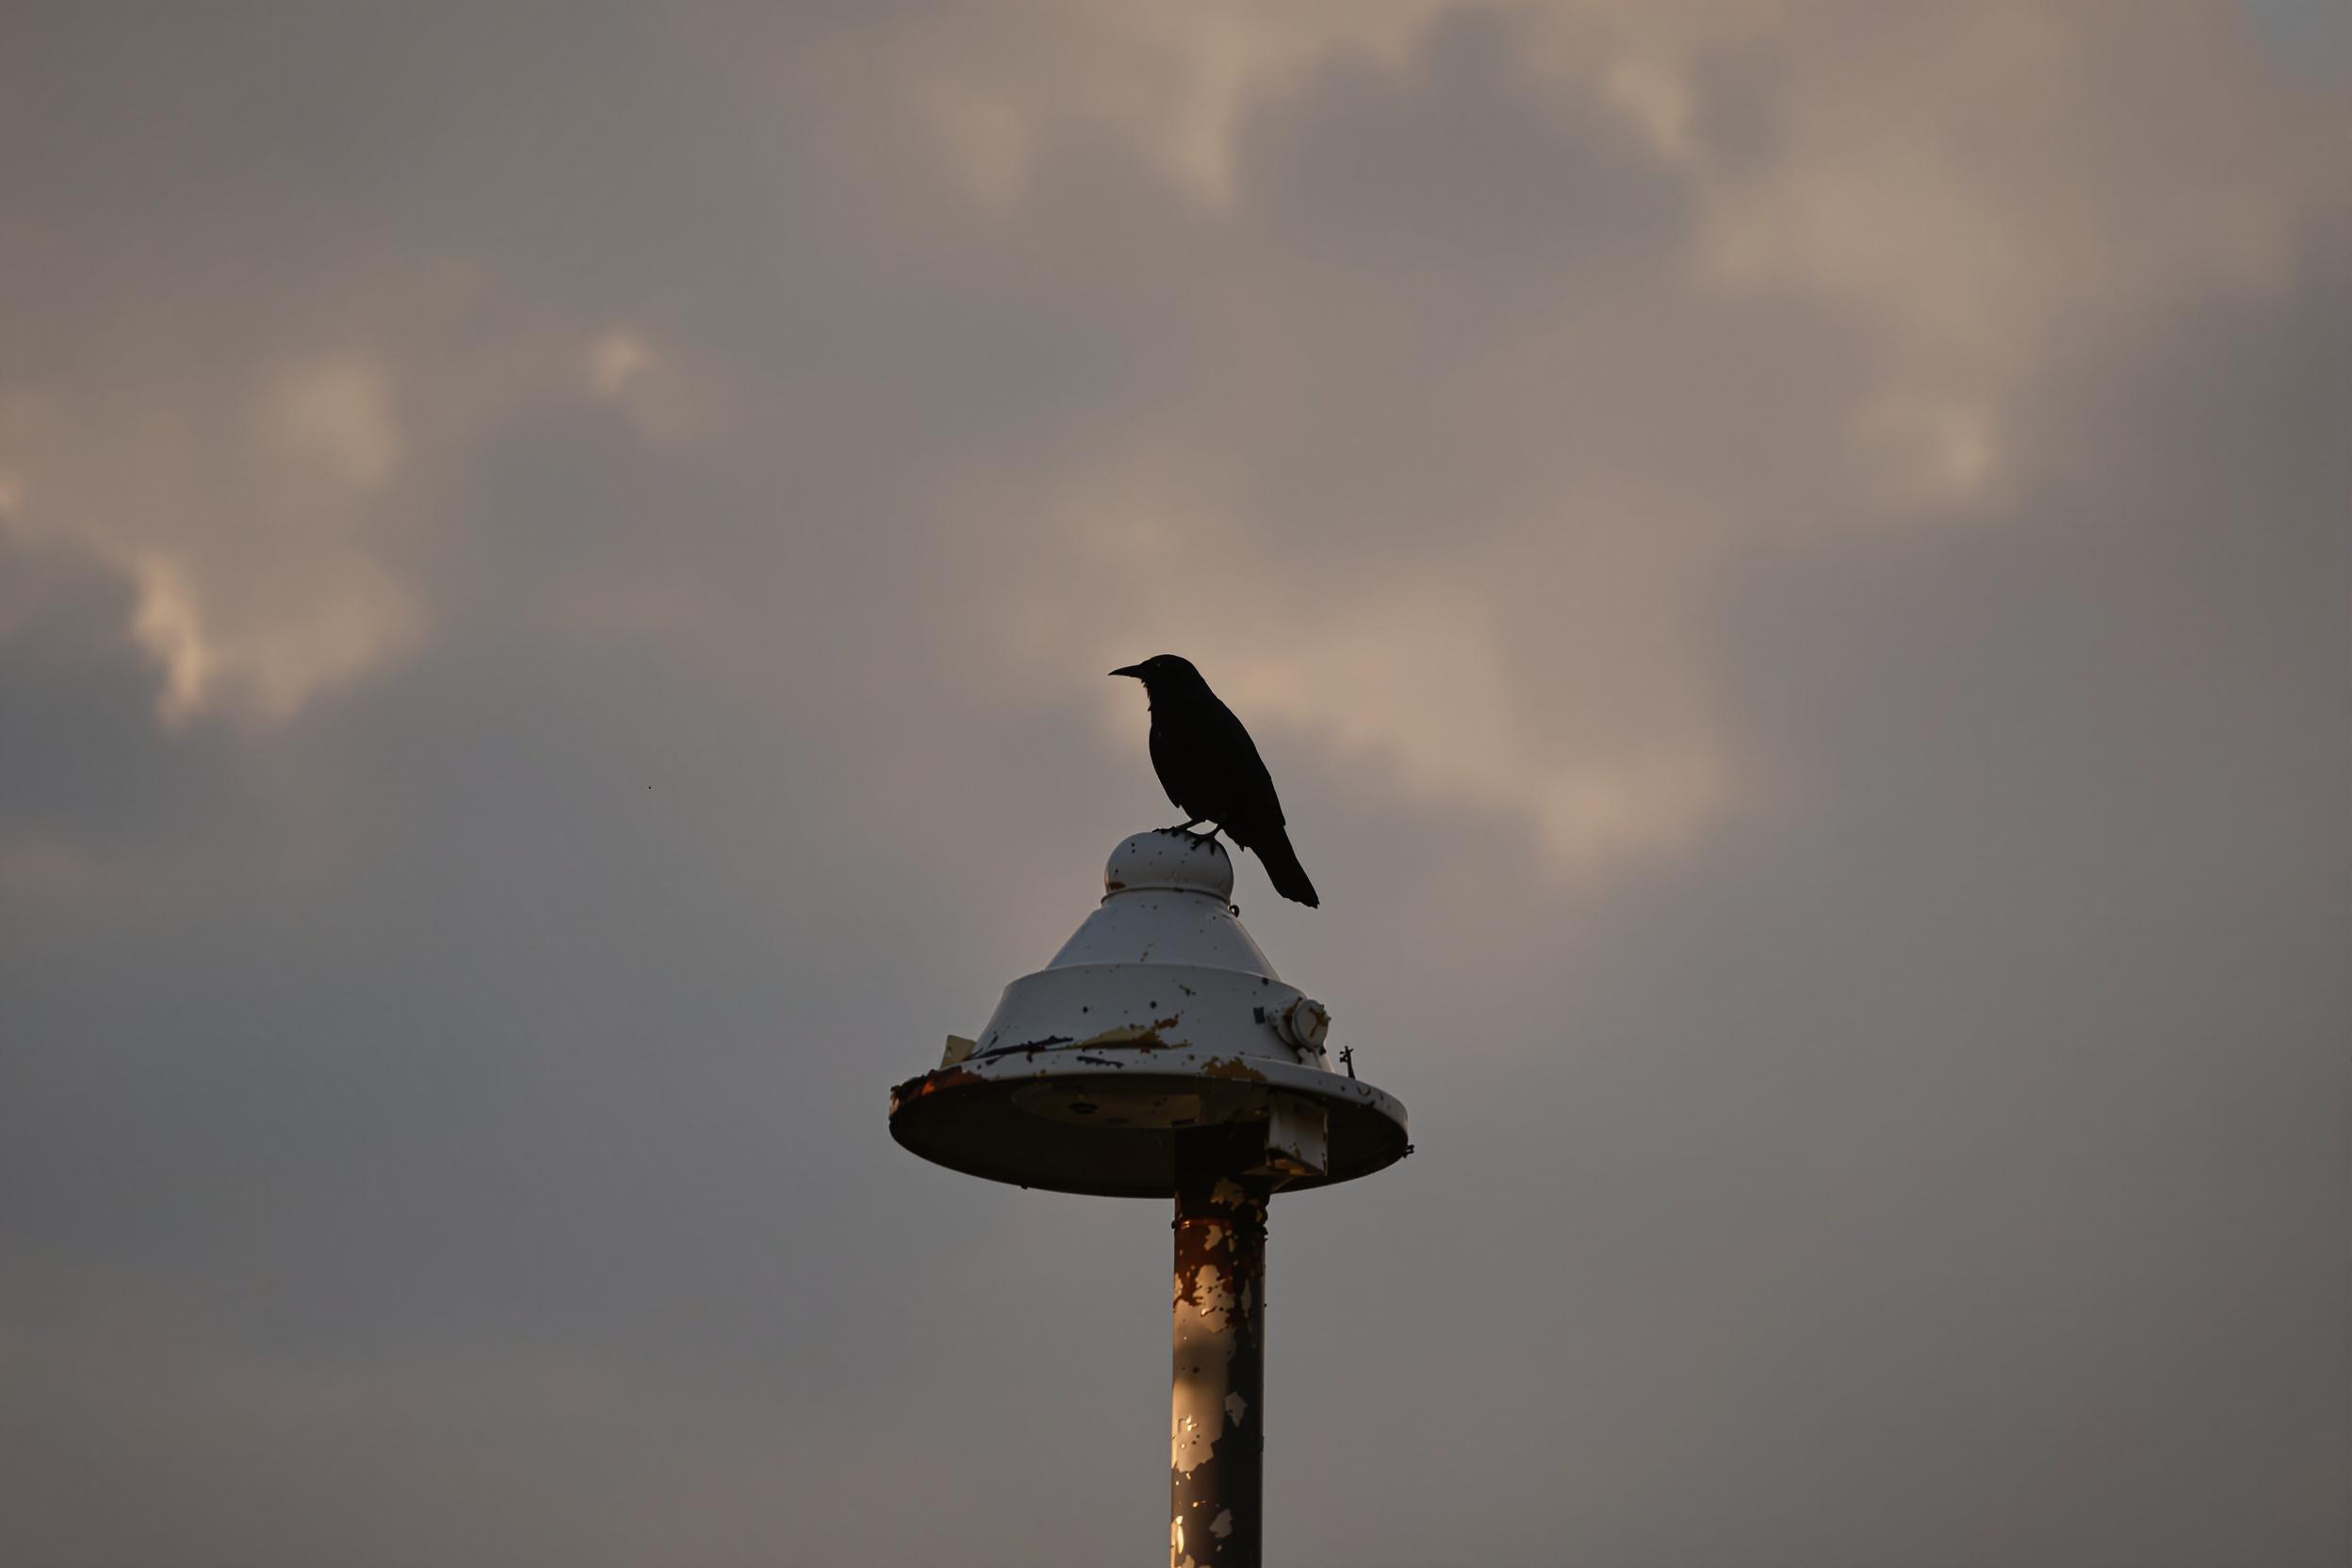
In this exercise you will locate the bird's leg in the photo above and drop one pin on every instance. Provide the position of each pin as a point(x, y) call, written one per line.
point(1184, 828)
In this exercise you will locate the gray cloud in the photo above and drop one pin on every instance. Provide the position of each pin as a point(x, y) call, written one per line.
point(552, 576)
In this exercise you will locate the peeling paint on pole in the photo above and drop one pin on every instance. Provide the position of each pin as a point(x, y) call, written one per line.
point(1216, 1436)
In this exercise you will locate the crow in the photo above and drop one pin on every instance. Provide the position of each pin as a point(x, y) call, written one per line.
point(1210, 768)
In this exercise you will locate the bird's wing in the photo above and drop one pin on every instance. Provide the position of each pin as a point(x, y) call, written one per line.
point(1168, 764)
point(1250, 781)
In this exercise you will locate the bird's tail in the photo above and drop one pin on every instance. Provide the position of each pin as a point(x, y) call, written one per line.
point(1282, 864)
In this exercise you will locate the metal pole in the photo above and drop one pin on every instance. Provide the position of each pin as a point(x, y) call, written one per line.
point(1217, 1443)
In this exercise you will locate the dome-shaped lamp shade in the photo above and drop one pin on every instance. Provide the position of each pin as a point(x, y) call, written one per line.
point(1158, 1016)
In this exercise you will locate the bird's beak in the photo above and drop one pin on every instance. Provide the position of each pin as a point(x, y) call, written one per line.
point(1136, 670)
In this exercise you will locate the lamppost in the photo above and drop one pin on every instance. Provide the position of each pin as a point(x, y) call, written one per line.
point(1159, 1055)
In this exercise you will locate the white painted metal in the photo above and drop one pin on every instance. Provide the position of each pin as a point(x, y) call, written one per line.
point(1298, 1138)
point(1160, 1013)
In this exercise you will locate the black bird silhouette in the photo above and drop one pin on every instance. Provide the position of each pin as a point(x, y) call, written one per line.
point(1210, 768)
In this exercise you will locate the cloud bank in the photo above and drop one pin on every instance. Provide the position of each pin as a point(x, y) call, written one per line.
point(1789, 560)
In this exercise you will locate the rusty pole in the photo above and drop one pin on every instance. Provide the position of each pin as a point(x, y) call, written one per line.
point(1217, 1443)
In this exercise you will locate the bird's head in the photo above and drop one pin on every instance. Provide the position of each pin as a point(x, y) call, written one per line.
point(1165, 674)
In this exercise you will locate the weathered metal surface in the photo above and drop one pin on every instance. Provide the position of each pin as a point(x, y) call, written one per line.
point(1159, 1055)
point(1305, 1023)
point(1159, 1015)
point(1067, 1125)
point(1298, 1144)
point(1166, 899)
point(1217, 1433)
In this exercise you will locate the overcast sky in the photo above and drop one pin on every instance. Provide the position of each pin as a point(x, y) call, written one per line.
point(1790, 561)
